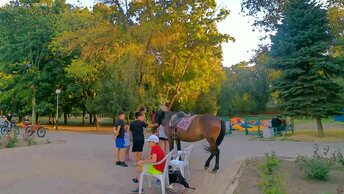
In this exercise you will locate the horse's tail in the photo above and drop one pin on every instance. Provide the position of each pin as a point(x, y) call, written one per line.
point(219, 139)
point(222, 133)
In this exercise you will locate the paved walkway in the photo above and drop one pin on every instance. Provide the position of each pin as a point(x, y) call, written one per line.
point(84, 165)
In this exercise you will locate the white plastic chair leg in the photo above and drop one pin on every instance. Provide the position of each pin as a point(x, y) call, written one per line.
point(140, 183)
point(181, 167)
point(162, 181)
point(167, 178)
point(149, 181)
point(189, 173)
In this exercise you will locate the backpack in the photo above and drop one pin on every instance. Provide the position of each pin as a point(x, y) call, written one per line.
point(175, 176)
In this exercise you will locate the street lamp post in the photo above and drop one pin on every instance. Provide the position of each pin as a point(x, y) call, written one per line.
point(58, 91)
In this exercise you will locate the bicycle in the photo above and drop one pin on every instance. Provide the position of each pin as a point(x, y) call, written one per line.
point(7, 128)
point(30, 130)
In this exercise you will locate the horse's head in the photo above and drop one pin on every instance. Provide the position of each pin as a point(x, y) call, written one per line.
point(163, 117)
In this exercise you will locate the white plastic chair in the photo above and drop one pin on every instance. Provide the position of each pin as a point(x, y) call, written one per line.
point(185, 163)
point(162, 177)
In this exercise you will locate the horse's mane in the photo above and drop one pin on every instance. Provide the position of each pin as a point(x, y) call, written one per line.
point(163, 117)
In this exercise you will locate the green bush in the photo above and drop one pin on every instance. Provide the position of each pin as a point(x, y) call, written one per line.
point(319, 166)
point(30, 141)
point(271, 164)
point(338, 156)
point(318, 169)
point(12, 142)
point(271, 181)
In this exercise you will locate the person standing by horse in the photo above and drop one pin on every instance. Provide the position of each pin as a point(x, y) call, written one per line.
point(137, 131)
point(163, 139)
point(142, 109)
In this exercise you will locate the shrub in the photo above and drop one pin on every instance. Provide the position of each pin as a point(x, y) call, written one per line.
point(319, 166)
point(271, 181)
point(340, 190)
point(271, 164)
point(338, 156)
point(317, 169)
point(11, 141)
point(30, 141)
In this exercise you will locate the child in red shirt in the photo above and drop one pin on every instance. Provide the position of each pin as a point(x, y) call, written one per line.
point(156, 155)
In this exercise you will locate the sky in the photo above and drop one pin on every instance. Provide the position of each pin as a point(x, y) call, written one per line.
point(237, 25)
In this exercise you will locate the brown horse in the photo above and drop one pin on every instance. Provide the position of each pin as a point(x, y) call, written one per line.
point(206, 127)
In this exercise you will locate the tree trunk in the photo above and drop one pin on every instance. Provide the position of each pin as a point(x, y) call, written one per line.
point(320, 127)
point(65, 116)
point(96, 121)
point(33, 103)
point(53, 116)
point(91, 116)
point(83, 117)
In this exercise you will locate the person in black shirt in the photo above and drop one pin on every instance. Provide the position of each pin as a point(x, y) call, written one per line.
point(9, 117)
point(136, 129)
point(119, 140)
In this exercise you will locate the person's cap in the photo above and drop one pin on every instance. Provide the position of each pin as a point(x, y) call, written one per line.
point(153, 138)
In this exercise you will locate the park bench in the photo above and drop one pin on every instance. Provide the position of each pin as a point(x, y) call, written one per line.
point(289, 126)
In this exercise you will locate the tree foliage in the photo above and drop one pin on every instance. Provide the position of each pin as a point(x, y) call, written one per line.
point(300, 50)
point(245, 90)
point(114, 57)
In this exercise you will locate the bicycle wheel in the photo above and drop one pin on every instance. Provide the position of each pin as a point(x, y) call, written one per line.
point(28, 131)
point(4, 130)
point(41, 132)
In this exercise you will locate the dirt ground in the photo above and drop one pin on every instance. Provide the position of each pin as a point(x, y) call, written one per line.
point(294, 179)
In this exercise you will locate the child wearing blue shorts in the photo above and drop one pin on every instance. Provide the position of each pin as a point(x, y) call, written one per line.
point(120, 146)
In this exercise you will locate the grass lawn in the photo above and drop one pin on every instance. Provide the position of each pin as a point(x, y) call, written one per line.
point(332, 135)
point(306, 130)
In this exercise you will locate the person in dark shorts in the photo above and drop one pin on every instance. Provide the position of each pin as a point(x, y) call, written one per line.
point(163, 139)
point(120, 145)
point(137, 128)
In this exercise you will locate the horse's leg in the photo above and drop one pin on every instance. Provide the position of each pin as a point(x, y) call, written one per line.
point(217, 160)
point(171, 143)
point(179, 147)
point(207, 163)
point(212, 150)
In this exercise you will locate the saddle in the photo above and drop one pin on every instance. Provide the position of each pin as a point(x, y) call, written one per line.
point(181, 120)
point(176, 118)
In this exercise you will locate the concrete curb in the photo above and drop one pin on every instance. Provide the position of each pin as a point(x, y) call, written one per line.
point(230, 188)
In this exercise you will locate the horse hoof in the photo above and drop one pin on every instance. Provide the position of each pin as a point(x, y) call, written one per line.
point(214, 171)
point(206, 167)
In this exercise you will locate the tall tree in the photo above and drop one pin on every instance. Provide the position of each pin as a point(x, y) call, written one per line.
point(26, 31)
point(245, 89)
point(300, 50)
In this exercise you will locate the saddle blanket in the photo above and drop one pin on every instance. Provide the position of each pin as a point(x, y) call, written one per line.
point(184, 123)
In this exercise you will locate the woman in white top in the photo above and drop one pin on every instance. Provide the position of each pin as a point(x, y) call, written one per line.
point(163, 139)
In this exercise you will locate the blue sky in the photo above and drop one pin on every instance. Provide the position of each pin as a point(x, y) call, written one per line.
point(236, 25)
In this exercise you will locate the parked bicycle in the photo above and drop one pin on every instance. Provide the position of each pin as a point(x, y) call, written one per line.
point(30, 130)
point(9, 127)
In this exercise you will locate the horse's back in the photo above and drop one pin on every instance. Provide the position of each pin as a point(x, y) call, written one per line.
point(208, 119)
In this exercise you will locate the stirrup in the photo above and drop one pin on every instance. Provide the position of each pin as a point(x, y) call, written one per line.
point(174, 135)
